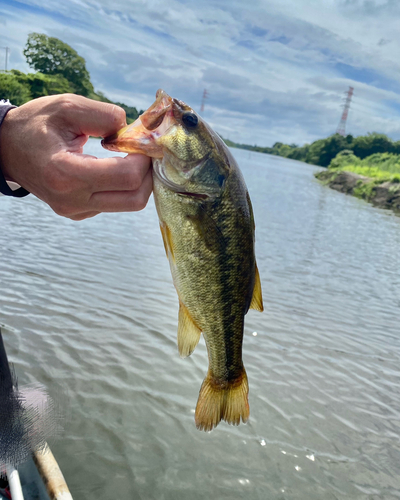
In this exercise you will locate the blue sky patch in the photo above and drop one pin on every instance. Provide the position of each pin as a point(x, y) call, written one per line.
point(40, 11)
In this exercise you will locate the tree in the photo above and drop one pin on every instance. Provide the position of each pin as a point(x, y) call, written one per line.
point(10, 88)
point(41, 85)
point(332, 146)
point(51, 56)
point(367, 145)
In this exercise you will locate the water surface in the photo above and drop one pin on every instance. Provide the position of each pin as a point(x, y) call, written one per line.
point(89, 310)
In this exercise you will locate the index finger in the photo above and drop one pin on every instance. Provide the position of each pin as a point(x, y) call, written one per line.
point(88, 117)
point(111, 174)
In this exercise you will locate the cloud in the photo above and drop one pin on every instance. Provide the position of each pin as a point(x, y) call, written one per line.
point(275, 70)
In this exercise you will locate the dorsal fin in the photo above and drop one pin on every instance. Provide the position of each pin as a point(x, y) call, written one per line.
point(188, 332)
point(257, 301)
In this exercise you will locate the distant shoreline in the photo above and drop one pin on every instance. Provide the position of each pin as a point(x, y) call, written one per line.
point(384, 195)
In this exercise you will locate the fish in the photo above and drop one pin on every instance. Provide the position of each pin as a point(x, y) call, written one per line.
point(207, 226)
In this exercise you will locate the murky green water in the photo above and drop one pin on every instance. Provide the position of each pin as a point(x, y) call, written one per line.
point(89, 310)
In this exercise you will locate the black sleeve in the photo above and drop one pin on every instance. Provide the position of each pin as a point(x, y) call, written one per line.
point(4, 187)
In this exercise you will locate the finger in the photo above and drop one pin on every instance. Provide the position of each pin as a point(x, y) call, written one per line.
point(109, 174)
point(83, 216)
point(89, 117)
point(123, 201)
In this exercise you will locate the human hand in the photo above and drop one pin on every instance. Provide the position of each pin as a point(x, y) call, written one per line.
point(41, 147)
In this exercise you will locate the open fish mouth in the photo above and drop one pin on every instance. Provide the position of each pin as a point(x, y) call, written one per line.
point(141, 135)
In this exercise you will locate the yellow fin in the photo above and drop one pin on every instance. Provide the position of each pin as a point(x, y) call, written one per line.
point(188, 332)
point(167, 240)
point(257, 301)
point(227, 401)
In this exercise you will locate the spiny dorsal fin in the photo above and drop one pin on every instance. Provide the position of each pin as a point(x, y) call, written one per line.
point(257, 301)
point(188, 332)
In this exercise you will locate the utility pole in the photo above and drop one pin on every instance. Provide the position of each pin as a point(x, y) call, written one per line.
point(7, 49)
point(205, 96)
point(342, 124)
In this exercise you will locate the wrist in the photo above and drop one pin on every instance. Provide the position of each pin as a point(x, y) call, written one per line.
point(5, 123)
point(5, 175)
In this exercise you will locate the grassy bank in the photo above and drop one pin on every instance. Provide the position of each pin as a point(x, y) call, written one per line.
point(375, 178)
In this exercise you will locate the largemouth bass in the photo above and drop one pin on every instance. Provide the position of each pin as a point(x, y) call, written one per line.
point(207, 225)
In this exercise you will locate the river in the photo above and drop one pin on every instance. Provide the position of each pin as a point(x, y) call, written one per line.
point(88, 309)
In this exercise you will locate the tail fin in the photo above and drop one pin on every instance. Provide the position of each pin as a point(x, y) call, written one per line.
point(218, 402)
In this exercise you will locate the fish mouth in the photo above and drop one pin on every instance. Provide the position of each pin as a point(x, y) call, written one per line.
point(141, 135)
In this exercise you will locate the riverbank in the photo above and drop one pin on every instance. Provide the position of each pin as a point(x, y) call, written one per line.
point(381, 194)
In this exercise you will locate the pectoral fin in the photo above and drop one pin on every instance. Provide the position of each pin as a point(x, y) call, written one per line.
point(188, 332)
point(257, 301)
point(167, 240)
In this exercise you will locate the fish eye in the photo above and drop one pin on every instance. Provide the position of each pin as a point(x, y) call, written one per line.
point(190, 119)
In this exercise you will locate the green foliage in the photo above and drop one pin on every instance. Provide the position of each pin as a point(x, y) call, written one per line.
point(51, 56)
point(366, 145)
point(322, 152)
point(299, 153)
point(41, 85)
point(364, 190)
point(10, 88)
point(345, 157)
point(336, 151)
point(381, 167)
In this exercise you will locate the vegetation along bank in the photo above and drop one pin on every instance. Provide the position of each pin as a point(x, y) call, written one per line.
point(375, 178)
point(365, 166)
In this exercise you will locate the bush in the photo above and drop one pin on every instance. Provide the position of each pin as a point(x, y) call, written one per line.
point(379, 166)
point(41, 85)
point(10, 88)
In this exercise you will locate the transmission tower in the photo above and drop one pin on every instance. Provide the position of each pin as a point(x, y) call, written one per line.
point(342, 124)
point(203, 99)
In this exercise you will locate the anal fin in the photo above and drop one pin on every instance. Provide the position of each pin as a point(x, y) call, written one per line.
point(257, 301)
point(188, 332)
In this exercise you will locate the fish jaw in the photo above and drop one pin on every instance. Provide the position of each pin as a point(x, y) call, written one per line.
point(142, 135)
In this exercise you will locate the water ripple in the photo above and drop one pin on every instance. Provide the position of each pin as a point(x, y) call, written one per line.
point(89, 311)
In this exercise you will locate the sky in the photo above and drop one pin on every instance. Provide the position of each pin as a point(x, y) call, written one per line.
point(275, 70)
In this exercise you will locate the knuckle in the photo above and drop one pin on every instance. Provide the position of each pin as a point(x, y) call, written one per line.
point(134, 180)
point(62, 208)
point(56, 181)
point(66, 102)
